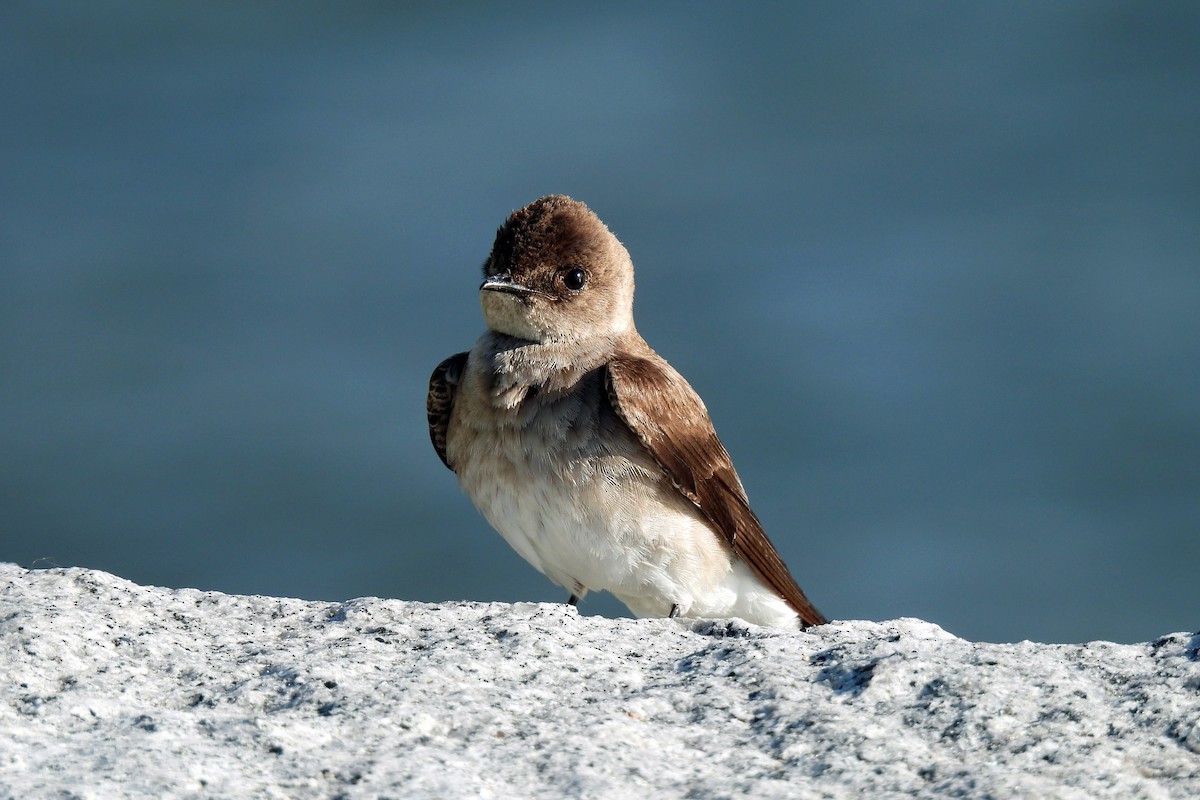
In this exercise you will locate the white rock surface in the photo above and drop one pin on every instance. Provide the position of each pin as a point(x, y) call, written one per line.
point(110, 689)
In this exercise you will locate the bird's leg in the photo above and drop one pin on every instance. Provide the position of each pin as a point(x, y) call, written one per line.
point(573, 600)
point(674, 611)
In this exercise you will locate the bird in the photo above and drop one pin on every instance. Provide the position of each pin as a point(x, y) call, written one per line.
point(590, 455)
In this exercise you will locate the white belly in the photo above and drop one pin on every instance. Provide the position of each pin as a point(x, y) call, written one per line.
point(604, 523)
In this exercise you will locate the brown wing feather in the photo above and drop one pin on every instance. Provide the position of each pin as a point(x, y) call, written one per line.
point(440, 401)
point(670, 420)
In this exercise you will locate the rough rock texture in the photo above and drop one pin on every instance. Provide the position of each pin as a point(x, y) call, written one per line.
point(111, 689)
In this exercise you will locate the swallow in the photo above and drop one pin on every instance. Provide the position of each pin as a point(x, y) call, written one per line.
point(589, 454)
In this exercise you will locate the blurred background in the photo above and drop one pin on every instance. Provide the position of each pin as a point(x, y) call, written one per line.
point(955, 248)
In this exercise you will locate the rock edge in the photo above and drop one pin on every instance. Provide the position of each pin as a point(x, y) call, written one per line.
point(115, 689)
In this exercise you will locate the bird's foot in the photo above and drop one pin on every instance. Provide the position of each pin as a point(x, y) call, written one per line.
point(674, 611)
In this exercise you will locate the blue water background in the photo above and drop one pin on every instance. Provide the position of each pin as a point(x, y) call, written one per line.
point(934, 267)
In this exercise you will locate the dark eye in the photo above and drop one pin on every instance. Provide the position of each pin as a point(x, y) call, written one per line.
point(574, 279)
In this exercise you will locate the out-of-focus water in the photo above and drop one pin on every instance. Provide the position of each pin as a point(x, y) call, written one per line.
point(935, 270)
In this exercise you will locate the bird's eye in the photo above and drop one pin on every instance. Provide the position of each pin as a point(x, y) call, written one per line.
point(574, 279)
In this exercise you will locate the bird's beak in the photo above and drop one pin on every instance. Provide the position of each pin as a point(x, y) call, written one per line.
point(504, 283)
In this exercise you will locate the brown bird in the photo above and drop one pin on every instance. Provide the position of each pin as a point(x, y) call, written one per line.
point(585, 449)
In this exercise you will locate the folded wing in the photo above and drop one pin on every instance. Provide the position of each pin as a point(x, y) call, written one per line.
point(440, 402)
point(670, 420)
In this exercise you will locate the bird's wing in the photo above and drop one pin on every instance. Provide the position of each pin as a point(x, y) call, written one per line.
point(670, 420)
point(440, 402)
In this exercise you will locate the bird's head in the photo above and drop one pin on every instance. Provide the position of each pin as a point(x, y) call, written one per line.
point(556, 273)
